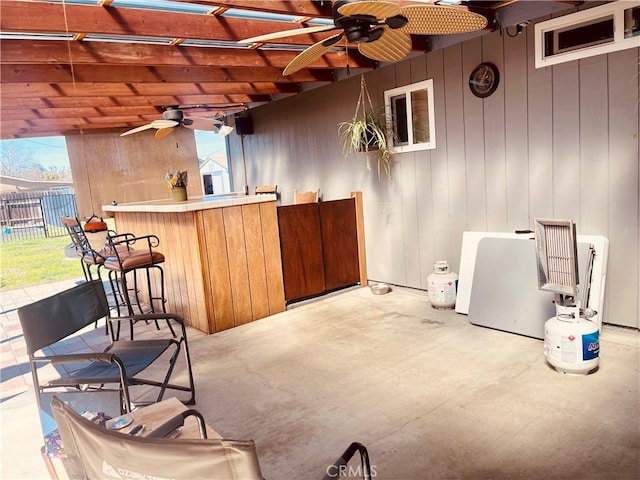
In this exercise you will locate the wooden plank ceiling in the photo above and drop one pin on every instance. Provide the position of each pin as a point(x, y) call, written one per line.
point(69, 67)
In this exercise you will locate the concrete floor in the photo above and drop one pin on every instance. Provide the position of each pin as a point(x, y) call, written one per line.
point(430, 395)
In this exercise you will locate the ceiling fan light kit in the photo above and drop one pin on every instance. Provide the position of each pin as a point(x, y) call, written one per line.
point(382, 30)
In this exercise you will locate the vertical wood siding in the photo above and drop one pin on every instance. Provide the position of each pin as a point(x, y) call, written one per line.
point(555, 142)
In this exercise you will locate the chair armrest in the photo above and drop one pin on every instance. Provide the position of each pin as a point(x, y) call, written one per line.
point(177, 421)
point(79, 357)
point(339, 466)
point(128, 240)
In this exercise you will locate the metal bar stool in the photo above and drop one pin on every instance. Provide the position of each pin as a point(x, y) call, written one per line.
point(125, 265)
point(88, 256)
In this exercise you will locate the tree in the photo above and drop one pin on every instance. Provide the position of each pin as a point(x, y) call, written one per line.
point(16, 160)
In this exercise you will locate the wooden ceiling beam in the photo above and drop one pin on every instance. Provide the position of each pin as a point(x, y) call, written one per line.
point(23, 103)
point(94, 53)
point(91, 89)
point(27, 73)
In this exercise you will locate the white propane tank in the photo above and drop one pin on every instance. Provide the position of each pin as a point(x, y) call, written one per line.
point(442, 286)
point(571, 343)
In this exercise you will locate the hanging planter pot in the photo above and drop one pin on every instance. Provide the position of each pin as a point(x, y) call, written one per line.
point(368, 131)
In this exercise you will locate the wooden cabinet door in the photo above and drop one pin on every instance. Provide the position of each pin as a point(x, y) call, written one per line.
point(339, 243)
point(301, 247)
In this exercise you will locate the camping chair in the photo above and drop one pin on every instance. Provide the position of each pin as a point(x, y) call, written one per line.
point(93, 452)
point(117, 368)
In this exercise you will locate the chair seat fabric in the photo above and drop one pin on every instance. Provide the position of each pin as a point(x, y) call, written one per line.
point(133, 259)
point(136, 356)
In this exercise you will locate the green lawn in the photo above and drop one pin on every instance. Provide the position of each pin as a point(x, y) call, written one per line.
point(35, 261)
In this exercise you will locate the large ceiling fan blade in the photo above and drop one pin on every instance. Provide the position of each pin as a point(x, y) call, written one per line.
point(137, 129)
point(164, 124)
point(440, 20)
point(392, 46)
point(288, 33)
point(163, 132)
point(312, 53)
point(202, 123)
point(380, 10)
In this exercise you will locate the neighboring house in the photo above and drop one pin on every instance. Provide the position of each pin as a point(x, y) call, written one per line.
point(214, 172)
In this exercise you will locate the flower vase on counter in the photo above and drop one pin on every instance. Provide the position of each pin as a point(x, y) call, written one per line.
point(177, 183)
point(179, 194)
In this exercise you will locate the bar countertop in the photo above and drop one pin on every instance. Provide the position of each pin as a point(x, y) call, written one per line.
point(192, 204)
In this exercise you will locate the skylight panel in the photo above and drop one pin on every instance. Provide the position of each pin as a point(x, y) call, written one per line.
point(160, 5)
point(165, 6)
point(255, 15)
point(35, 36)
point(127, 39)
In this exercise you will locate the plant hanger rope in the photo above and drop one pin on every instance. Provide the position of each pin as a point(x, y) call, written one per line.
point(363, 90)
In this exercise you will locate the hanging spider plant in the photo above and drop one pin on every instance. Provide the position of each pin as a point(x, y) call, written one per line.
point(368, 131)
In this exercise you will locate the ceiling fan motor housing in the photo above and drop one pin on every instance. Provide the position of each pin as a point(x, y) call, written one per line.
point(357, 28)
point(173, 114)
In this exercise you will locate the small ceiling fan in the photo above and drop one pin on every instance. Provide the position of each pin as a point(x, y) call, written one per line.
point(382, 30)
point(173, 117)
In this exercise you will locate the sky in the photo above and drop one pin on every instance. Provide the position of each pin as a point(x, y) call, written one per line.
point(52, 151)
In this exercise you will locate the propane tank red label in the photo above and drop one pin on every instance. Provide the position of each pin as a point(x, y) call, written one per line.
point(590, 345)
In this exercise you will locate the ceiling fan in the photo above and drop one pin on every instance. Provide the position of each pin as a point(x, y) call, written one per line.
point(382, 30)
point(174, 117)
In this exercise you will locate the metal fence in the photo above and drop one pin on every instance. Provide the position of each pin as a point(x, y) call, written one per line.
point(35, 214)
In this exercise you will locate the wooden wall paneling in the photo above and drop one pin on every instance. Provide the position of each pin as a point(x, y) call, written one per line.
point(451, 138)
point(424, 201)
point(566, 142)
point(217, 280)
point(411, 172)
point(474, 142)
point(272, 257)
point(540, 135)
point(207, 298)
point(339, 243)
point(301, 247)
point(163, 230)
point(441, 228)
point(514, 78)
point(594, 150)
point(494, 127)
point(238, 267)
point(622, 305)
point(178, 243)
point(191, 288)
point(255, 261)
point(389, 233)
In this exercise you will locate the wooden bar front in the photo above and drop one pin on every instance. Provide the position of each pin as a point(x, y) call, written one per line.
point(222, 256)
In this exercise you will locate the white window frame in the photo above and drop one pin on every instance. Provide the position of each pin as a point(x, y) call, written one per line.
point(406, 91)
point(620, 42)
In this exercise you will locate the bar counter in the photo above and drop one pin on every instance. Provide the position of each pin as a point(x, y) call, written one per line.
point(222, 255)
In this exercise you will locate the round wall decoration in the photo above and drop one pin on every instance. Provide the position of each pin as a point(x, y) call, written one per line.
point(484, 80)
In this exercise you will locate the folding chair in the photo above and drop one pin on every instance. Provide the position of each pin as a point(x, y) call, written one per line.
point(122, 363)
point(95, 452)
